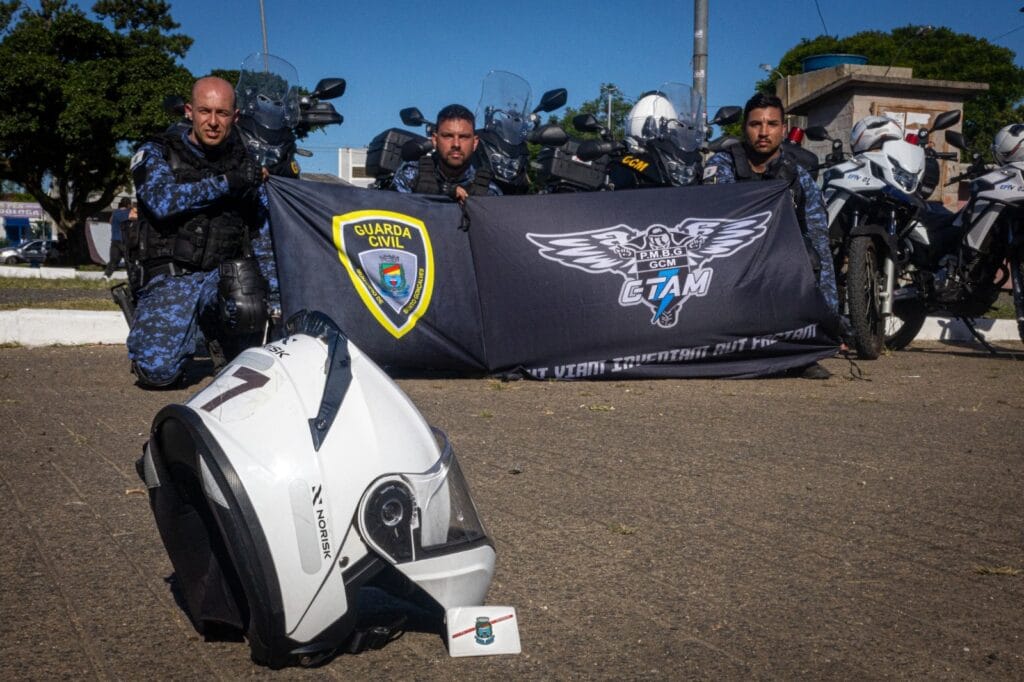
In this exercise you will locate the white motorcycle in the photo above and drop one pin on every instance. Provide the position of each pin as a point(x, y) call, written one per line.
point(873, 199)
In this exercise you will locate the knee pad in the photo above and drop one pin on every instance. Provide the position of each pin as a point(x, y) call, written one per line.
point(242, 297)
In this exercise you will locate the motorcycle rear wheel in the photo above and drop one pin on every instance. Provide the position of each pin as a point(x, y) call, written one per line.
point(864, 278)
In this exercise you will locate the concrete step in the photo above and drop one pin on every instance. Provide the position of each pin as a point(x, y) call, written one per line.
point(43, 327)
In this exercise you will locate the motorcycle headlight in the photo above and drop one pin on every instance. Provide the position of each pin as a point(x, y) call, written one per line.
point(505, 167)
point(682, 174)
point(903, 177)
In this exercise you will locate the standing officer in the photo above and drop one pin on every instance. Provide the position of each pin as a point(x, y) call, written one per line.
point(761, 156)
point(200, 212)
point(449, 169)
point(119, 215)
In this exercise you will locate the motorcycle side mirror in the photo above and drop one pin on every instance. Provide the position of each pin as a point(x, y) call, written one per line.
point(817, 133)
point(550, 135)
point(590, 150)
point(414, 149)
point(586, 123)
point(946, 119)
point(956, 139)
point(412, 116)
point(329, 88)
point(320, 114)
point(299, 151)
point(726, 115)
point(174, 105)
point(552, 99)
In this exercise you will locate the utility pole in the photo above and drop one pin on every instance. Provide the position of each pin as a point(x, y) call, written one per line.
point(700, 53)
point(263, 25)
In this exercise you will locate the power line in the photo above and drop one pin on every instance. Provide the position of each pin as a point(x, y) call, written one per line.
point(1008, 33)
point(823, 26)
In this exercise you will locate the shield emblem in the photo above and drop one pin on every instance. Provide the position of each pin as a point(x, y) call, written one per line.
point(390, 261)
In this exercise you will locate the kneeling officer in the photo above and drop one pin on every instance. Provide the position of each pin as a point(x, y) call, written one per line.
point(200, 208)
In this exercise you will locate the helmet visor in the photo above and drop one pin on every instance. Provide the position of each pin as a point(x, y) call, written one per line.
point(412, 516)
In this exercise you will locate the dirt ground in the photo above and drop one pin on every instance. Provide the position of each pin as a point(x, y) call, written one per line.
point(778, 528)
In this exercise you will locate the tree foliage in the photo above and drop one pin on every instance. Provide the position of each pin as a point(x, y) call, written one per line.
point(933, 53)
point(76, 91)
point(599, 108)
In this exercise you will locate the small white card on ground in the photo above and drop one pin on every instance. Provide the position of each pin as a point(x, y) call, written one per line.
point(482, 631)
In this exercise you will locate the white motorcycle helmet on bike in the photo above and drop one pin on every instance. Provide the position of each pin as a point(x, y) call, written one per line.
point(1008, 145)
point(871, 131)
point(299, 476)
point(651, 116)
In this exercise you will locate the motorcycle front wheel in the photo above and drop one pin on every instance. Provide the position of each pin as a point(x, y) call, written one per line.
point(902, 326)
point(1017, 279)
point(864, 279)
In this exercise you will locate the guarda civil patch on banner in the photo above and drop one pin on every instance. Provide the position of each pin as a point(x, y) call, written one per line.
point(391, 263)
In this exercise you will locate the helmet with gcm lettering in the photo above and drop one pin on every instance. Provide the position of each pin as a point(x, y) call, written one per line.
point(299, 476)
point(1008, 145)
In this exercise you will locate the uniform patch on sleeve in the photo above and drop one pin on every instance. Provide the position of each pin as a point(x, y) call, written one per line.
point(137, 158)
point(710, 172)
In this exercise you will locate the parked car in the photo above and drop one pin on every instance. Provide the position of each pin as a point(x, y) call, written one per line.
point(35, 251)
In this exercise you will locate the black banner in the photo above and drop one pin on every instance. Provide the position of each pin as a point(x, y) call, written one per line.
point(700, 281)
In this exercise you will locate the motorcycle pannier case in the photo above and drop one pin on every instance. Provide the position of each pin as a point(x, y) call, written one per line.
point(560, 163)
point(384, 155)
point(299, 475)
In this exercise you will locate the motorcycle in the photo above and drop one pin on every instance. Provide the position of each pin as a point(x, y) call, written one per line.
point(273, 114)
point(956, 264)
point(509, 124)
point(873, 200)
point(389, 149)
point(503, 139)
point(664, 141)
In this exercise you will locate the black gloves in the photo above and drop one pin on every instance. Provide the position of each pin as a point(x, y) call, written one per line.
point(246, 176)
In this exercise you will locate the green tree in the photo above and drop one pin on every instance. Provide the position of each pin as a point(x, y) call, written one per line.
point(599, 108)
point(76, 92)
point(935, 53)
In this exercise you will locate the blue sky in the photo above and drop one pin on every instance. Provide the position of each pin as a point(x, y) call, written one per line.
point(396, 54)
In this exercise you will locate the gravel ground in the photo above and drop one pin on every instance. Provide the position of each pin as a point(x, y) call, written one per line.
point(776, 528)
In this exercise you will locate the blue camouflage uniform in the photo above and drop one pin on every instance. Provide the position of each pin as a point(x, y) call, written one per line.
point(720, 170)
point(406, 175)
point(170, 310)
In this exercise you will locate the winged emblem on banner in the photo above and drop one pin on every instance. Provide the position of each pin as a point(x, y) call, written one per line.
point(662, 266)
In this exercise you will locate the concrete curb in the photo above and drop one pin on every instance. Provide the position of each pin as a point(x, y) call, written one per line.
point(42, 327)
point(56, 273)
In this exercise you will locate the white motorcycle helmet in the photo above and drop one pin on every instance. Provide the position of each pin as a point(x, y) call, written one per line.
point(300, 475)
point(651, 116)
point(871, 131)
point(1008, 145)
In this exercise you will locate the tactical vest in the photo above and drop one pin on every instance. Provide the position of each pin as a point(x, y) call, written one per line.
point(782, 167)
point(198, 240)
point(428, 182)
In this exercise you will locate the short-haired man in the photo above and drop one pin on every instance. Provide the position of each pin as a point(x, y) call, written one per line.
point(449, 170)
point(200, 211)
point(761, 156)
